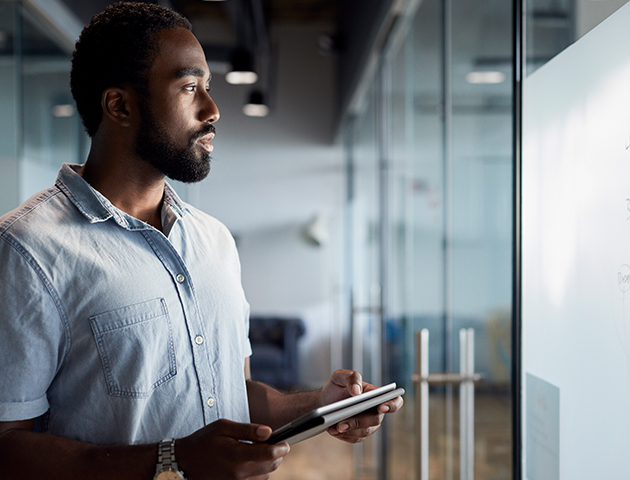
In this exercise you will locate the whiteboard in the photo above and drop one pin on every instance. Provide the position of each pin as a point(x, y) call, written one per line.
point(576, 260)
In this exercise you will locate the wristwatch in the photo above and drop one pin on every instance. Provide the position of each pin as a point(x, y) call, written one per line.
point(167, 468)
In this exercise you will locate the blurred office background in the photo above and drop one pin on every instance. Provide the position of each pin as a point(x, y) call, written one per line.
point(373, 200)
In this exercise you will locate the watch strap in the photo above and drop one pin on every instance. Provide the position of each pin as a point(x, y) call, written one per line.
point(166, 456)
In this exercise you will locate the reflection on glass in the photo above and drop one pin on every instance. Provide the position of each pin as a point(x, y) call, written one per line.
point(51, 125)
point(9, 107)
point(553, 25)
point(442, 152)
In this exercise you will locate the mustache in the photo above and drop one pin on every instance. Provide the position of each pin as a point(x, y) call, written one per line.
point(206, 129)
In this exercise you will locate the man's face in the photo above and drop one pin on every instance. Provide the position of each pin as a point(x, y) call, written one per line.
point(175, 130)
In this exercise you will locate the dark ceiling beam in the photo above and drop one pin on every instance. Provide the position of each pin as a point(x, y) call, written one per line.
point(240, 15)
point(360, 24)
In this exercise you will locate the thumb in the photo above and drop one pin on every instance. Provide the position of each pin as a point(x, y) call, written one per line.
point(349, 380)
point(244, 431)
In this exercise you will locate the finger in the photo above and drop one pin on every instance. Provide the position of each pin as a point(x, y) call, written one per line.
point(244, 431)
point(358, 422)
point(264, 459)
point(348, 379)
point(262, 452)
point(365, 420)
point(354, 436)
point(391, 406)
point(358, 433)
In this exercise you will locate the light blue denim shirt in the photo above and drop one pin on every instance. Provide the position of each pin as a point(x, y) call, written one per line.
point(111, 331)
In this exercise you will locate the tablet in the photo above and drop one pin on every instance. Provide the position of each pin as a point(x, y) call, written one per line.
point(320, 419)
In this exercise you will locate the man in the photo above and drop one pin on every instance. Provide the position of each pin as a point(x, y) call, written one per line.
point(124, 324)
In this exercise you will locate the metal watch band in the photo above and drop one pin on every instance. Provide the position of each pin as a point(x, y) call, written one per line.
point(166, 454)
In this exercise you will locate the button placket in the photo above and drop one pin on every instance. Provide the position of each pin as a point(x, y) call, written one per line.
point(200, 357)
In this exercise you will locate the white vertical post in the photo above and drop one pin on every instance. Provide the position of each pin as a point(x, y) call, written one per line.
point(470, 399)
point(465, 379)
point(467, 405)
point(463, 407)
point(422, 404)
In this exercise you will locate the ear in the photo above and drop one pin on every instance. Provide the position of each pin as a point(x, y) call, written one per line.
point(117, 105)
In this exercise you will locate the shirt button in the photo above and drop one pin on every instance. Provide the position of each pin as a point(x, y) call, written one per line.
point(210, 402)
point(180, 278)
point(198, 339)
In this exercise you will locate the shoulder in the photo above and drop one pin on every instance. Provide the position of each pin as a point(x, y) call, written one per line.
point(193, 217)
point(40, 208)
point(209, 224)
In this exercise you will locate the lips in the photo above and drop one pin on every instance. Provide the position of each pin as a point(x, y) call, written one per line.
point(206, 142)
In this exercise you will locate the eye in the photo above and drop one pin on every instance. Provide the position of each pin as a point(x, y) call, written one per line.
point(191, 88)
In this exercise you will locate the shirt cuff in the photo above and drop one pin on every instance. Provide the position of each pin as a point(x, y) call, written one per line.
point(15, 411)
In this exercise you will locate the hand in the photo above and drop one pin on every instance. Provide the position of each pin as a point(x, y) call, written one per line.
point(343, 384)
point(220, 450)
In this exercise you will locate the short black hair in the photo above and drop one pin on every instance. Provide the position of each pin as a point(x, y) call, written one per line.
point(116, 49)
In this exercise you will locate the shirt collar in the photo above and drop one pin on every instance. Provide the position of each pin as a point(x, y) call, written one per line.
point(97, 208)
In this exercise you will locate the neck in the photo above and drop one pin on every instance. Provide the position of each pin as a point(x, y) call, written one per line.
point(129, 183)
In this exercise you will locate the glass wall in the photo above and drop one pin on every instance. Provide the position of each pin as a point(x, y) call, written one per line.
point(10, 118)
point(40, 126)
point(431, 207)
point(365, 245)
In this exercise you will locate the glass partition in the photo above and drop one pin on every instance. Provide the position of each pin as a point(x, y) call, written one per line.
point(42, 128)
point(10, 113)
point(439, 149)
point(363, 256)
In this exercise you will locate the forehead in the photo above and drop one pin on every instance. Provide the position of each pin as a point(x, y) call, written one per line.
point(180, 54)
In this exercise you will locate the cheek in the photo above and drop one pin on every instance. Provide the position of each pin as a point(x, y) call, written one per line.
point(176, 127)
point(175, 121)
point(181, 123)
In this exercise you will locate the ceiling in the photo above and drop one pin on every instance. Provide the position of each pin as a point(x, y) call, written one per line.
point(221, 26)
point(306, 11)
point(227, 12)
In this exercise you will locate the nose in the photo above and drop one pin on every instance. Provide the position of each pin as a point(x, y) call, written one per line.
point(210, 111)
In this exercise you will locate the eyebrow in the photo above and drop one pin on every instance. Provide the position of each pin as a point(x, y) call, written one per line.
point(194, 71)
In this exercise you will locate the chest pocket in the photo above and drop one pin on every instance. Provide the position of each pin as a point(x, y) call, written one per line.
point(136, 348)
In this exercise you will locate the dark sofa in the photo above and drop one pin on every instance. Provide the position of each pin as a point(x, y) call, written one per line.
point(274, 360)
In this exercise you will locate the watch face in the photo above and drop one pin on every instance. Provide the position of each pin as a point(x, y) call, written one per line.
point(169, 474)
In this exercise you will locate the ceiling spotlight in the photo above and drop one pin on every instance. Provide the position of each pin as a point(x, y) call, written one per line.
point(242, 72)
point(489, 77)
point(256, 106)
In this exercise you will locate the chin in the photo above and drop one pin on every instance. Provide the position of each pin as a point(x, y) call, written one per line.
point(191, 174)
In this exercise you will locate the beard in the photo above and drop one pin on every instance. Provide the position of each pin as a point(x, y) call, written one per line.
point(156, 148)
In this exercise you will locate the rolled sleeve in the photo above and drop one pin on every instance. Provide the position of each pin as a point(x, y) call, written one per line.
point(32, 337)
point(23, 410)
